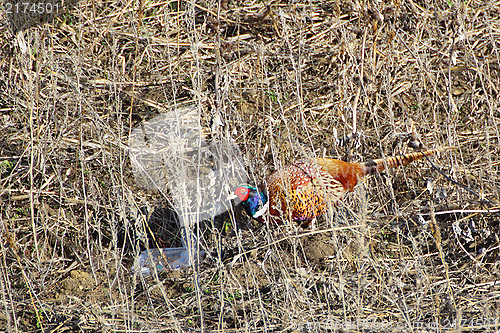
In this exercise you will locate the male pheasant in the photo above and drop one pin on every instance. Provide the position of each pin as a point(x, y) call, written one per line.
point(301, 191)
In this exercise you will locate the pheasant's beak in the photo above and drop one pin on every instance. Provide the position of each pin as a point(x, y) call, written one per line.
point(232, 197)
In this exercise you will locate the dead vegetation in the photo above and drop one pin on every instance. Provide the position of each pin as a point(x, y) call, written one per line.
point(409, 250)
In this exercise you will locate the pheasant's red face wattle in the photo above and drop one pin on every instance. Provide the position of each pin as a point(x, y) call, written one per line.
point(242, 193)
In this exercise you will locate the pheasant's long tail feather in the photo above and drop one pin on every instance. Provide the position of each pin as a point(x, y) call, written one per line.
point(374, 166)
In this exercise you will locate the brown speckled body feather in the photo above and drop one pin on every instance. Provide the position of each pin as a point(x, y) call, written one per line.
point(302, 191)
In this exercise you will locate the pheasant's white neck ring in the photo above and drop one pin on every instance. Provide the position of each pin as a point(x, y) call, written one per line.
point(261, 211)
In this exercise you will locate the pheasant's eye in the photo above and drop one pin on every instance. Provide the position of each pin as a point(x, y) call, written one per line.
point(243, 190)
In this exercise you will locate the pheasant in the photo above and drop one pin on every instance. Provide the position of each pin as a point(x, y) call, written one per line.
point(301, 191)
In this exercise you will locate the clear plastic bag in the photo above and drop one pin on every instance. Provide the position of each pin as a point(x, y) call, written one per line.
point(164, 260)
point(169, 153)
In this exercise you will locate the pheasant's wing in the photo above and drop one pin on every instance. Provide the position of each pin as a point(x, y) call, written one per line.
point(319, 191)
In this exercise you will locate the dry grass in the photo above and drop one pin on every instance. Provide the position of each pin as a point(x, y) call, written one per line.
point(287, 80)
